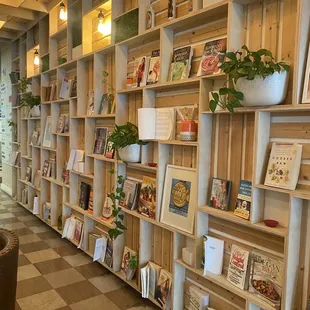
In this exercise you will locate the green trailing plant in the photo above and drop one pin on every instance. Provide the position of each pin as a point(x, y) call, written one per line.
point(243, 64)
point(133, 262)
point(125, 135)
point(111, 89)
point(116, 196)
point(23, 84)
point(29, 100)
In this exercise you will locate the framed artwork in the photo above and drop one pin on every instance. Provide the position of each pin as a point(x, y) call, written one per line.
point(306, 90)
point(179, 198)
point(100, 140)
point(47, 138)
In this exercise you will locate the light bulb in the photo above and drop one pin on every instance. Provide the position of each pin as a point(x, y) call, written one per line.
point(36, 59)
point(62, 13)
point(103, 27)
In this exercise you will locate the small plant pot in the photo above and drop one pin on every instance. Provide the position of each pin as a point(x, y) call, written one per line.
point(130, 153)
point(35, 111)
point(263, 92)
point(188, 130)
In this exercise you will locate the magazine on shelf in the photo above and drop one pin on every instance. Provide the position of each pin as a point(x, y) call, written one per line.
point(125, 266)
point(284, 165)
point(147, 197)
point(244, 199)
point(154, 68)
point(212, 57)
point(163, 288)
point(141, 66)
point(181, 63)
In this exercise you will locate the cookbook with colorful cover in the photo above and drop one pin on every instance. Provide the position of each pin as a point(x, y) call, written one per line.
point(181, 63)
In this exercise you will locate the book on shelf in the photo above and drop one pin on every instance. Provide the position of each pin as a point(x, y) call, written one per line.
point(101, 134)
point(214, 255)
point(91, 201)
point(73, 92)
point(16, 158)
point(212, 57)
point(149, 278)
point(24, 195)
point(163, 289)
point(238, 267)
point(36, 205)
point(37, 179)
point(244, 199)
point(28, 174)
point(156, 123)
point(91, 102)
point(220, 194)
point(66, 124)
point(46, 168)
point(84, 195)
point(131, 190)
point(107, 210)
point(47, 213)
point(108, 258)
point(204, 239)
point(147, 197)
point(47, 138)
point(128, 255)
point(198, 299)
point(52, 166)
point(154, 68)
point(284, 165)
point(141, 66)
point(109, 149)
point(79, 225)
point(266, 278)
point(101, 244)
point(181, 63)
point(64, 92)
point(65, 176)
point(60, 124)
point(149, 17)
point(75, 157)
point(35, 137)
point(52, 92)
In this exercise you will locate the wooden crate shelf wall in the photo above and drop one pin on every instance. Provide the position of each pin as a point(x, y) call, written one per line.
point(225, 148)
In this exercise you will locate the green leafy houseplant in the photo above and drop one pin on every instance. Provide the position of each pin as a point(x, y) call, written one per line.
point(125, 135)
point(23, 83)
point(133, 262)
point(29, 100)
point(111, 89)
point(247, 64)
point(116, 196)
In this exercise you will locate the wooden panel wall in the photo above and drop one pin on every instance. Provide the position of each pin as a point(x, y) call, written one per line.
point(232, 149)
point(130, 4)
point(134, 103)
point(182, 155)
point(109, 179)
point(62, 48)
point(109, 66)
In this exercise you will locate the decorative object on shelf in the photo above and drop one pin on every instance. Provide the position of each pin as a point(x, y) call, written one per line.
point(220, 194)
point(103, 27)
point(14, 77)
point(36, 58)
point(255, 80)
point(147, 197)
point(129, 263)
point(73, 92)
point(101, 134)
point(141, 70)
point(107, 210)
point(214, 255)
point(149, 17)
point(237, 273)
point(284, 165)
point(62, 11)
point(266, 278)
point(198, 299)
point(163, 289)
point(179, 198)
point(171, 9)
point(107, 103)
point(244, 200)
point(109, 150)
point(271, 223)
point(126, 26)
point(116, 196)
point(154, 68)
point(126, 142)
point(212, 57)
point(188, 127)
point(189, 255)
point(181, 63)
point(156, 123)
point(47, 138)
point(61, 60)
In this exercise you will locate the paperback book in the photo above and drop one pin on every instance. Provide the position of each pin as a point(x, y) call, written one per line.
point(79, 224)
point(154, 68)
point(141, 71)
point(28, 174)
point(108, 259)
point(181, 63)
point(47, 138)
point(109, 150)
point(149, 278)
point(163, 288)
point(131, 190)
point(198, 299)
point(212, 57)
point(65, 88)
point(214, 255)
point(61, 124)
point(91, 201)
point(147, 197)
point(244, 199)
point(220, 194)
point(126, 267)
point(84, 195)
point(100, 140)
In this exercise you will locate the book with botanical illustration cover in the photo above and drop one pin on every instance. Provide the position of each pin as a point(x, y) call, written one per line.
point(147, 197)
point(100, 140)
point(266, 278)
point(212, 57)
point(163, 288)
point(61, 123)
point(238, 267)
point(154, 68)
point(108, 259)
point(220, 194)
point(130, 188)
point(284, 165)
point(244, 199)
point(125, 267)
point(181, 63)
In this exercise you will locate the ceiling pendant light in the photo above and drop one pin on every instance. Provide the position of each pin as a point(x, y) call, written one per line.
point(36, 59)
point(103, 27)
point(62, 12)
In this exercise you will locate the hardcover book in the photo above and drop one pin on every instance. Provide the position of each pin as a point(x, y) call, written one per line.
point(61, 124)
point(100, 140)
point(131, 190)
point(212, 57)
point(163, 288)
point(284, 166)
point(198, 299)
point(154, 68)
point(238, 267)
point(181, 63)
point(244, 199)
point(125, 267)
point(147, 197)
point(220, 194)
point(141, 71)
point(108, 259)
point(84, 195)
point(266, 278)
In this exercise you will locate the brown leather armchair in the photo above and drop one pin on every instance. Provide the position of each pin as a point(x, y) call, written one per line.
point(8, 269)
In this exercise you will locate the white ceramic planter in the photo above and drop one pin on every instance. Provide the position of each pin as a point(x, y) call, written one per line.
point(263, 92)
point(35, 111)
point(130, 153)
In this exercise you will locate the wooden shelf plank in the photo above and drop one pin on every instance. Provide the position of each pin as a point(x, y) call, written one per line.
point(100, 116)
point(297, 193)
point(102, 157)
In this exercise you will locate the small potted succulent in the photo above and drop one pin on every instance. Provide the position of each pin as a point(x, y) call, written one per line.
point(126, 142)
point(255, 79)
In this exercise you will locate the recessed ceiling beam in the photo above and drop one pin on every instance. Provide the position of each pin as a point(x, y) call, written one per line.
point(17, 12)
point(7, 35)
point(34, 5)
point(14, 26)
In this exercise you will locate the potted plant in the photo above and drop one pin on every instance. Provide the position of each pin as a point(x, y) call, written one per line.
point(31, 102)
point(23, 85)
point(255, 79)
point(126, 142)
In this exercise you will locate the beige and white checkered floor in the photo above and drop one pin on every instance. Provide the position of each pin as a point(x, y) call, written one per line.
point(54, 274)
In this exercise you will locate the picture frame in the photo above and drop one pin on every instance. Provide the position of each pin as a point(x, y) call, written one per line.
point(47, 137)
point(306, 88)
point(179, 198)
point(101, 134)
